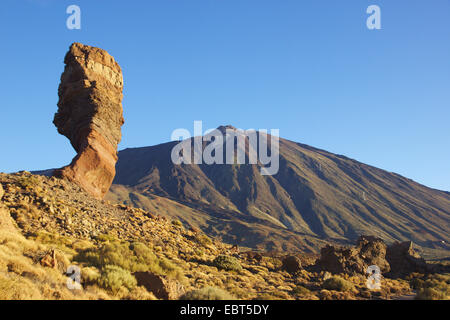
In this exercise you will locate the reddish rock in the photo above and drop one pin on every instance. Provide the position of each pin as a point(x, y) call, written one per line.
point(90, 116)
point(49, 260)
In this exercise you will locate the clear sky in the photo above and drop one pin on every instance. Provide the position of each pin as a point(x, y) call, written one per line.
point(309, 68)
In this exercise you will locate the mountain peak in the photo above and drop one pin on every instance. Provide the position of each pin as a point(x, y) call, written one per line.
point(224, 128)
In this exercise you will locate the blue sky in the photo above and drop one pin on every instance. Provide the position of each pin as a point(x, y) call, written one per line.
point(309, 68)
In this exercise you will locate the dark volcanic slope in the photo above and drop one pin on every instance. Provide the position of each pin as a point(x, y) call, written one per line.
point(315, 195)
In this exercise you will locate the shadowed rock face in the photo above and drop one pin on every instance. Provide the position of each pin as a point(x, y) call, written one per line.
point(160, 286)
point(90, 115)
point(404, 260)
point(368, 251)
point(394, 261)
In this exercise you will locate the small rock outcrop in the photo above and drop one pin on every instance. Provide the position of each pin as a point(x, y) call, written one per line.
point(160, 286)
point(49, 260)
point(404, 260)
point(368, 251)
point(394, 261)
point(90, 115)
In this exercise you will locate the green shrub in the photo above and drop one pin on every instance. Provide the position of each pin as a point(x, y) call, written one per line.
point(114, 278)
point(208, 293)
point(90, 275)
point(133, 257)
point(203, 239)
point(106, 237)
point(300, 291)
point(227, 263)
point(177, 223)
point(52, 239)
point(338, 284)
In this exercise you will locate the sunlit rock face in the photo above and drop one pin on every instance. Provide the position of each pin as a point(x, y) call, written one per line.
point(90, 115)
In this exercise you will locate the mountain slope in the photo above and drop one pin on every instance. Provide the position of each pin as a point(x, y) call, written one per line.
point(315, 195)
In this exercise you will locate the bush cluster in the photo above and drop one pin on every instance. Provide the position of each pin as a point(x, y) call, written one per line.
point(227, 263)
point(114, 278)
point(433, 287)
point(338, 284)
point(118, 260)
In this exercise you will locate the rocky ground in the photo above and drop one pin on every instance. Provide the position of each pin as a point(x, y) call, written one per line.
point(48, 225)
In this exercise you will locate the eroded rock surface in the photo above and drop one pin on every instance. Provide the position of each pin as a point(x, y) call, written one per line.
point(90, 115)
point(396, 260)
point(368, 251)
point(404, 260)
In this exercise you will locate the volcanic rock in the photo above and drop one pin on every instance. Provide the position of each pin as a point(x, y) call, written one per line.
point(160, 286)
point(372, 251)
point(49, 260)
point(90, 116)
point(404, 260)
point(368, 251)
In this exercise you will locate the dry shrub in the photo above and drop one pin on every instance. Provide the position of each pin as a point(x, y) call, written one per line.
point(207, 293)
point(140, 293)
point(432, 287)
point(133, 257)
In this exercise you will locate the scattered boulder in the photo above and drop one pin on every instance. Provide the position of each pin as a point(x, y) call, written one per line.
point(90, 116)
point(368, 251)
point(404, 260)
point(49, 260)
point(291, 264)
point(160, 286)
point(2, 192)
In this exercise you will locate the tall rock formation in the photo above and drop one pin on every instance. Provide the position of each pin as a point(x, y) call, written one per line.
point(404, 260)
point(90, 115)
